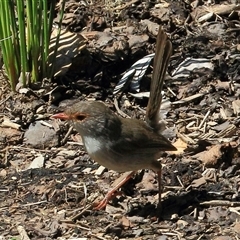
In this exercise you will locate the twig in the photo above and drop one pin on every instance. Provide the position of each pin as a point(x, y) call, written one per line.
point(200, 237)
point(75, 143)
point(25, 148)
point(169, 188)
point(118, 109)
point(171, 91)
point(32, 204)
point(3, 101)
point(82, 212)
point(220, 203)
point(204, 119)
point(75, 225)
point(96, 236)
point(126, 5)
point(67, 135)
point(180, 181)
point(188, 99)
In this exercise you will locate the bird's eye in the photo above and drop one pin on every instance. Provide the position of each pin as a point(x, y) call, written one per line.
point(80, 117)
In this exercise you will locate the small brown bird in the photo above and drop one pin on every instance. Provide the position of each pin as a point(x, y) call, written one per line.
point(125, 144)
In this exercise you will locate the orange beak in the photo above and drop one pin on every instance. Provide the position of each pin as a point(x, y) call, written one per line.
point(62, 116)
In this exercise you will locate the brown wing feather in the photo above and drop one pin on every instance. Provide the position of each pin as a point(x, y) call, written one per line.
point(144, 139)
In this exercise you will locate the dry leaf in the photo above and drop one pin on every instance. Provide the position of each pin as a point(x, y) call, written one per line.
point(215, 155)
point(180, 145)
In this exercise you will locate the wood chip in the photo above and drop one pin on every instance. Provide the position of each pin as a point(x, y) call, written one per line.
point(236, 107)
point(100, 170)
point(189, 99)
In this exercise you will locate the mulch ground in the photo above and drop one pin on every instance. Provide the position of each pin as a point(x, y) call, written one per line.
point(48, 182)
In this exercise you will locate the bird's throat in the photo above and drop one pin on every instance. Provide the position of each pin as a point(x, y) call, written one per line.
point(92, 144)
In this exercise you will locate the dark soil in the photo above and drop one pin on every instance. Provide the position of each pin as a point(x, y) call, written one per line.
point(49, 183)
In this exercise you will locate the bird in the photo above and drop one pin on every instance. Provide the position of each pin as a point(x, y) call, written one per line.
point(125, 144)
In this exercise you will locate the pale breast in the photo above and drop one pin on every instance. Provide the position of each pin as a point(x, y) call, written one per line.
point(118, 160)
point(92, 145)
point(99, 153)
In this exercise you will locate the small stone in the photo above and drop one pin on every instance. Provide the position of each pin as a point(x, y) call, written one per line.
point(38, 162)
point(41, 136)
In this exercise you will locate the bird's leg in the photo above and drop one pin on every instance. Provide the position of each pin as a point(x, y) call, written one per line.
point(112, 193)
point(159, 173)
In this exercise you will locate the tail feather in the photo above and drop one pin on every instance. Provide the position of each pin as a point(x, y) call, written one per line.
point(160, 64)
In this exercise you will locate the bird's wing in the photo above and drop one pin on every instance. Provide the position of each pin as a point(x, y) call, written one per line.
point(141, 137)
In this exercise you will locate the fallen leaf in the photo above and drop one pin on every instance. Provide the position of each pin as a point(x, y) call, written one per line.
point(180, 145)
point(215, 155)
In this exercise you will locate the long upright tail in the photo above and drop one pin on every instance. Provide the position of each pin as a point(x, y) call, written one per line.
point(161, 60)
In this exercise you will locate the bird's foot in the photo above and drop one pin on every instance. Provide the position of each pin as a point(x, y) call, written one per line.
point(109, 196)
point(114, 192)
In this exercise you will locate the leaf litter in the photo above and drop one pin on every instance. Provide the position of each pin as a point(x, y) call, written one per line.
point(53, 198)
